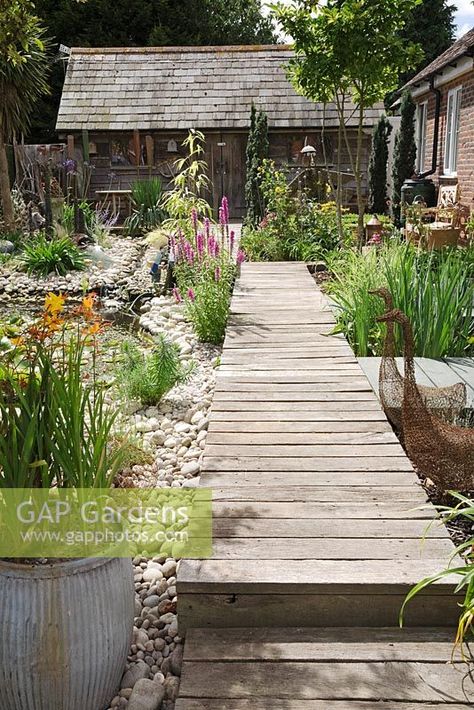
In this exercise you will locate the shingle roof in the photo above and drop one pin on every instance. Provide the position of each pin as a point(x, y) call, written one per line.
point(183, 87)
point(464, 45)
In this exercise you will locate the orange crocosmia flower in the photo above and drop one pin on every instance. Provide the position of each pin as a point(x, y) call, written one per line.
point(95, 328)
point(54, 302)
point(18, 342)
point(88, 302)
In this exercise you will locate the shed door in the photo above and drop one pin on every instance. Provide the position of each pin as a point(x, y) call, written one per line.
point(227, 170)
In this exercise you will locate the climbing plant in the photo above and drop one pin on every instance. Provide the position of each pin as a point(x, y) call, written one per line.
point(257, 151)
point(378, 167)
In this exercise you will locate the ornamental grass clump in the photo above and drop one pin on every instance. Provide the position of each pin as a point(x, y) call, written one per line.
point(55, 423)
point(206, 267)
point(435, 289)
point(45, 256)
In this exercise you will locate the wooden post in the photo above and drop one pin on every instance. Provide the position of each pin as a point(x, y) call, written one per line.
point(70, 150)
point(136, 145)
point(85, 144)
point(150, 157)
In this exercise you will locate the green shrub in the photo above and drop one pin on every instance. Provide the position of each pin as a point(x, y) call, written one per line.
point(149, 376)
point(294, 227)
point(435, 289)
point(58, 255)
point(147, 211)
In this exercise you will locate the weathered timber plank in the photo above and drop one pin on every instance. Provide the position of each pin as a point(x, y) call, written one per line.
point(315, 494)
point(344, 364)
point(334, 608)
point(311, 396)
point(382, 576)
point(295, 510)
point(393, 680)
point(274, 703)
point(256, 463)
point(347, 405)
point(302, 644)
point(329, 549)
point(224, 384)
point(333, 479)
point(232, 425)
point(375, 415)
point(350, 528)
point(291, 438)
point(304, 451)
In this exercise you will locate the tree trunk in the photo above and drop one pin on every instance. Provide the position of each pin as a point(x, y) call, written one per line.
point(5, 194)
point(360, 199)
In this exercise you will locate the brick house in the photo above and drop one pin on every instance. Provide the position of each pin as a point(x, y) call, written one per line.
point(444, 97)
point(126, 111)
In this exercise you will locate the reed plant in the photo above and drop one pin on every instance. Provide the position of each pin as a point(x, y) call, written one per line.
point(435, 289)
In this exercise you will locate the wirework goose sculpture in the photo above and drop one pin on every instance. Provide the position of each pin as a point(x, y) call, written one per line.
point(448, 402)
point(440, 451)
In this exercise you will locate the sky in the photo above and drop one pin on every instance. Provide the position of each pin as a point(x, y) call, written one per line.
point(464, 16)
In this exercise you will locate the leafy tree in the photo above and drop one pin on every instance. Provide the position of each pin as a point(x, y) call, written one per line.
point(348, 47)
point(257, 151)
point(23, 78)
point(137, 23)
point(431, 23)
point(378, 167)
point(404, 153)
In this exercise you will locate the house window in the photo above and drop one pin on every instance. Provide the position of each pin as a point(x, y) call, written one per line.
point(421, 118)
point(452, 131)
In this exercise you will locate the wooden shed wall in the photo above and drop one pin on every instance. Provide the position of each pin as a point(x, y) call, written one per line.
point(118, 159)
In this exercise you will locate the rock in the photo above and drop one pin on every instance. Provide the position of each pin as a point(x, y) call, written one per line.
point(191, 468)
point(171, 686)
point(152, 601)
point(136, 672)
point(6, 247)
point(152, 574)
point(170, 442)
point(169, 568)
point(176, 660)
point(146, 695)
point(158, 438)
point(197, 416)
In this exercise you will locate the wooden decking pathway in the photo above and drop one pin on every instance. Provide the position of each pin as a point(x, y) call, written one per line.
point(317, 519)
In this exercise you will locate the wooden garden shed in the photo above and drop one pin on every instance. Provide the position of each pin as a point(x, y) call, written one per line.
point(126, 112)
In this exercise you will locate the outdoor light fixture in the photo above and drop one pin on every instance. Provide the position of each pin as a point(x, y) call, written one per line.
point(310, 151)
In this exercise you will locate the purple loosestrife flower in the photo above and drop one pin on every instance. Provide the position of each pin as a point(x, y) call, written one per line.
point(207, 227)
point(191, 295)
point(217, 274)
point(211, 246)
point(232, 241)
point(240, 257)
point(194, 218)
point(200, 245)
point(177, 295)
point(225, 209)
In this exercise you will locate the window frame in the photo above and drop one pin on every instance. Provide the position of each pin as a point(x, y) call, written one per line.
point(453, 122)
point(421, 129)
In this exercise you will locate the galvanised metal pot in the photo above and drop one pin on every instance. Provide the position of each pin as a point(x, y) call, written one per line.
point(65, 632)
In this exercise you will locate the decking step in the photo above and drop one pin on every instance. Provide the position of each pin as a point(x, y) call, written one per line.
point(323, 669)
